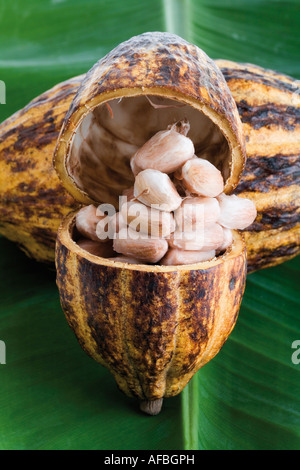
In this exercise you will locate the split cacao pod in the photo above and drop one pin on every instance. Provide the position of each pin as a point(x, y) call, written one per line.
point(33, 201)
point(152, 326)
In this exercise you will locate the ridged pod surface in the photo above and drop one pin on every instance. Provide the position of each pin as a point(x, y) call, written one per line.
point(153, 327)
point(269, 107)
point(32, 199)
point(162, 65)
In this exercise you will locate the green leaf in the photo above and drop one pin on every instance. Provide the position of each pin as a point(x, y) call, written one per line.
point(261, 32)
point(48, 41)
point(248, 397)
point(52, 396)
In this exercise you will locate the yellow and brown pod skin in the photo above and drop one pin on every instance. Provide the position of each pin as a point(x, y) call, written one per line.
point(170, 71)
point(269, 107)
point(32, 199)
point(153, 327)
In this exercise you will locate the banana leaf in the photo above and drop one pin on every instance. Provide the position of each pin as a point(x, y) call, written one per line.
point(52, 396)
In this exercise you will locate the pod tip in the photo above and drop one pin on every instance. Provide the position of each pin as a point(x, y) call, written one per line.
point(151, 407)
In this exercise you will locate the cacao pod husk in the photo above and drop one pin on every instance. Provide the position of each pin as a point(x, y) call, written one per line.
point(152, 326)
point(32, 198)
point(269, 107)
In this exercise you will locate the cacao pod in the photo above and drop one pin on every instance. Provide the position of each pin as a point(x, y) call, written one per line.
point(32, 203)
point(269, 107)
point(32, 199)
point(152, 326)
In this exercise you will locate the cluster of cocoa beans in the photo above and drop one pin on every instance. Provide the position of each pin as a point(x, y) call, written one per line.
point(176, 213)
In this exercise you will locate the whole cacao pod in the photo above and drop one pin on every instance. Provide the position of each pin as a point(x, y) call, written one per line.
point(32, 199)
point(269, 107)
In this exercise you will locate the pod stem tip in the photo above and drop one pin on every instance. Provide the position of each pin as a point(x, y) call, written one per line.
point(151, 407)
